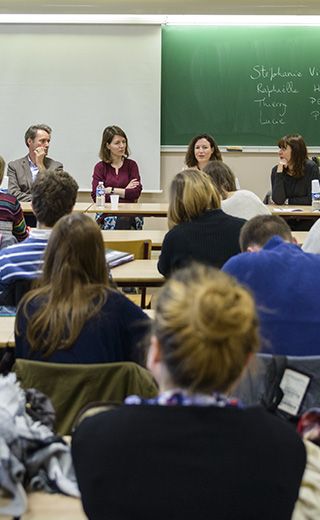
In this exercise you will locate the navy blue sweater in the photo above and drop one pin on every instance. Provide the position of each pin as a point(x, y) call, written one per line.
point(111, 335)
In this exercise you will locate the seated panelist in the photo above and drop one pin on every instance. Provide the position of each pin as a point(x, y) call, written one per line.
point(120, 176)
point(202, 149)
point(23, 172)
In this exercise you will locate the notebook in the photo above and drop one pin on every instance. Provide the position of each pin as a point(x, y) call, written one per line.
point(115, 258)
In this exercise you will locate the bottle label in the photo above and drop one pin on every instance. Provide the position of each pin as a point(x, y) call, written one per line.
point(316, 200)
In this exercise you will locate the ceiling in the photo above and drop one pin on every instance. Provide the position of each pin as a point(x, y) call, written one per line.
point(293, 7)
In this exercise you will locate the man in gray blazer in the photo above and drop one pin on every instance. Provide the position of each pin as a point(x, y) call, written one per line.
point(22, 172)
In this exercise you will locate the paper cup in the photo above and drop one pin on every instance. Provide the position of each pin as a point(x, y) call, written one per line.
point(114, 201)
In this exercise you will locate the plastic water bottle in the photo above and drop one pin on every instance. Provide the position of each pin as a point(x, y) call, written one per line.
point(315, 192)
point(100, 195)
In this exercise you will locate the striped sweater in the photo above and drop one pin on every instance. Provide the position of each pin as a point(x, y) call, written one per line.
point(11, 212)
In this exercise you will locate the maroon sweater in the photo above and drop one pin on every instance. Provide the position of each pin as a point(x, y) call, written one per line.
point(107, 174)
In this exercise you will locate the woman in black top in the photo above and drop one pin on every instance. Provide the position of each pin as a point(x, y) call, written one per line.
point(291, 177)
point(199, 229)
point(192, 453)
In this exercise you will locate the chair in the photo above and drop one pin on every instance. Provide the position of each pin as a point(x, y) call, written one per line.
point(71, 387)
point(141, 249)
point(261, 378)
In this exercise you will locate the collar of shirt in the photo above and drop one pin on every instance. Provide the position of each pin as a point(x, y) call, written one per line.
point(177, 396)
point(33, 168)
point(38, 233)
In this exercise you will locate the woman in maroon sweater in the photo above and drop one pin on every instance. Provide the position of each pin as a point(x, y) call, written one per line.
point(120, 176)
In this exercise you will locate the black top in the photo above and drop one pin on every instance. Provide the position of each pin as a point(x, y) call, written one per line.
point(212, 238)
point(296, 189)
point(161, 462)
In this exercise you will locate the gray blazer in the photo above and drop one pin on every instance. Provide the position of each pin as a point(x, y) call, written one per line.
point(20, 176)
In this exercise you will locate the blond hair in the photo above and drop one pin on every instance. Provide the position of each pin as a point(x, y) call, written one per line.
point(191, 194)
point(207, 326)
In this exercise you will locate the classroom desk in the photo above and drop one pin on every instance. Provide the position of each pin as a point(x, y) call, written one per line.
point(139, 273)
point(135, 209)
point(45, 506)
point(79, 207)
point(122, 235)
point(7, 331)
point(294, 211)
point(300, 236)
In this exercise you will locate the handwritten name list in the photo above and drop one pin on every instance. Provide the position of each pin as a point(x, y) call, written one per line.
point(277, 89)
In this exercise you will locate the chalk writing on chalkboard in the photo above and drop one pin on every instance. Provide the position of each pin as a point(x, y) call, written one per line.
point(245, 85)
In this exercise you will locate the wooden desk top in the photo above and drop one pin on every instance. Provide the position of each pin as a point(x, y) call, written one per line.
point(141, 209)
point(7, 331)
point(294, 211)
point(300, 236)
point(46, 506)
point(143, 273)
point(121, 235)
point(79, 207)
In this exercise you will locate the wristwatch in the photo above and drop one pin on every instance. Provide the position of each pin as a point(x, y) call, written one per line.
point(112, 189)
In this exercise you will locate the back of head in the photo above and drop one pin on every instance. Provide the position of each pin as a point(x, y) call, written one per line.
point(260, 229)
point(75, 253)
point(222, 177)
point(53, 195)
point(206, 324)
point(191, 194)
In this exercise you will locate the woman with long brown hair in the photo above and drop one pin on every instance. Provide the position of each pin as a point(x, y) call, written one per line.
point(73, 315)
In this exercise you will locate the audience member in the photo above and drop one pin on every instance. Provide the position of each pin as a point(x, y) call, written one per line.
point(202, 149)
point(199, 229)
point(54, 194)
point(284, 281)
point(238, 203)
point(12, 223)
point(23, 172)
point(72, 315)
point(119, 175)
point(193, 452)
point(312, 242)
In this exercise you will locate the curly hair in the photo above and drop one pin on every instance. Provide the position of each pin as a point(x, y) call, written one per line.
point(190, 158)
point(53, 195)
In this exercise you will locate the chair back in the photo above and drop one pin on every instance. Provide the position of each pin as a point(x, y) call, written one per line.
point(261, 379)
point(71, 387)
point(141, 249)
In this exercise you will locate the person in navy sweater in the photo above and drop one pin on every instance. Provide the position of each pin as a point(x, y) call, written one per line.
point(73, 315)
point(284, 281)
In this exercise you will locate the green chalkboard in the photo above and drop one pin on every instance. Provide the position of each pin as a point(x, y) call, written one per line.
point(244, 85)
